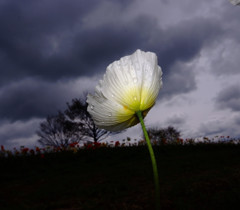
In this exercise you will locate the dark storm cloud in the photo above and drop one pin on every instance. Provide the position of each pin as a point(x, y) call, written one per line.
point(213, 128)
point(224, 59)
point(183, 41)
point(32, 98)
point(17, 129)
point(237, 120)
point(222, 126)
point(176, 120)
point(229, 98)
point(180, 80)
point(106, 43)
point(39, 38)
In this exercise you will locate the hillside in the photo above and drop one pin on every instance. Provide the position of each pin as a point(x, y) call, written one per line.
point(191, 177)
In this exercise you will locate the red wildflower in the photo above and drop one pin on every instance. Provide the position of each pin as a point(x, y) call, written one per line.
point(24, 150)
point(97, 144)
point(89, 146)
point(58, 148)
point(32, 151)
point(117, 143)
point(2, 148)
point(38, 150)
point(73, 144)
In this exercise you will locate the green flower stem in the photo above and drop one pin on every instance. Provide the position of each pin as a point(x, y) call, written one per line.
point(154, 164)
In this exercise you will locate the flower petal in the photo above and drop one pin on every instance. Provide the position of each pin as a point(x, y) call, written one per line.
point(108, 113)
point(130, 84)
point(134, 81)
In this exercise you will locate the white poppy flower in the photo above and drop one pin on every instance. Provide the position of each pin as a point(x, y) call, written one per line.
point(235, 2)
point(130, 84)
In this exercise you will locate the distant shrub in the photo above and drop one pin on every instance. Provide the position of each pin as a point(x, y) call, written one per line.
point(164, 135)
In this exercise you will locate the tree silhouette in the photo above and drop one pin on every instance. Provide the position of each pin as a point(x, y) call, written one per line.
point(58, 132)
point(169, 134)
point(77, 113)
point(75, 124)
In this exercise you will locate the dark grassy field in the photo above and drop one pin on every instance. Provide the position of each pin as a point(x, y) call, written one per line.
point(191, 177)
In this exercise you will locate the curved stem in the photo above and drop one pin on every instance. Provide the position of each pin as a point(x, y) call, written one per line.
point(154, 163)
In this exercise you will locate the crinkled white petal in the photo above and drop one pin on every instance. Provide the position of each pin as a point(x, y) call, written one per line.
point(134, 81)
point(109, 114)
point(130, 84)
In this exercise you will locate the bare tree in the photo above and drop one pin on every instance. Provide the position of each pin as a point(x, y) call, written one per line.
point(169, 134)
point(58, 131)
point(77, 113)
point(75, 124)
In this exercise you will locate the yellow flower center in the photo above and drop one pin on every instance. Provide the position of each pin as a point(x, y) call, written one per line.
point(137, 99)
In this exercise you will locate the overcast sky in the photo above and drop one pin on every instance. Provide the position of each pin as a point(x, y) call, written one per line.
point(54, 51)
